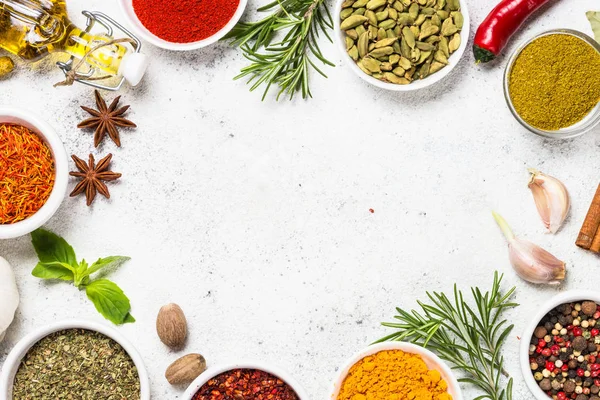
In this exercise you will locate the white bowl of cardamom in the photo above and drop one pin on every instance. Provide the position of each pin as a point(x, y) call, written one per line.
point(431, 38)
point(90, 352)
point(406, 366)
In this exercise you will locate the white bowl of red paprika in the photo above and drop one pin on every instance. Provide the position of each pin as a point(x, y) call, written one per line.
point(408, 351)
point(24, 194)
point(174, 25)
point(227, 377)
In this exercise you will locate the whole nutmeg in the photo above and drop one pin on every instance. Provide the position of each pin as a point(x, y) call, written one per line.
point(171, 326)
point(185, 369)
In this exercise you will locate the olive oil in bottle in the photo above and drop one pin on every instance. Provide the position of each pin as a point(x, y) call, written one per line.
point(33, 29)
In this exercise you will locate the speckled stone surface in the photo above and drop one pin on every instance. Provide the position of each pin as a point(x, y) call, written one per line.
point(254, 216)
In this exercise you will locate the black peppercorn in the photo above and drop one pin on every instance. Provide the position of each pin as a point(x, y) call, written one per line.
point(545, 384)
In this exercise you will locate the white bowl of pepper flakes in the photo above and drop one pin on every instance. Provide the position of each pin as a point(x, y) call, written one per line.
point(120, 352)
point(456, 27)
point(225, 378)
point(563, 299)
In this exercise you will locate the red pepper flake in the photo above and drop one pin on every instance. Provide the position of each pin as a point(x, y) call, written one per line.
point(371, 211)
point(245, 384)
point(26, 173)
point(184, 21)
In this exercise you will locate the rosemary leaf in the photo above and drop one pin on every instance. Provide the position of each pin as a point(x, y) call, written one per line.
point(287, 63)
point(469, 338)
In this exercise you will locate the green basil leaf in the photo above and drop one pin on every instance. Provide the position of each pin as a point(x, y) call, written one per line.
point(594, 17)
point(54, 270)
point(108, 262)
point(110, 301)
point(52, 248)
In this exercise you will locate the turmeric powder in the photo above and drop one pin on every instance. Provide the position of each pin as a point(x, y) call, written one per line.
point(393, 375)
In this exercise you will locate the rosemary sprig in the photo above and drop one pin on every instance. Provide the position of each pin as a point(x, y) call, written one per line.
point(287, 62)
point(469, 339)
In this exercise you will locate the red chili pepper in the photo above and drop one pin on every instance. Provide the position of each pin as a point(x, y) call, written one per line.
point(504, 20)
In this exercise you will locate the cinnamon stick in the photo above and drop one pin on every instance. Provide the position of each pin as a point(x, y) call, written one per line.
point(595, 247)
point(589, 230)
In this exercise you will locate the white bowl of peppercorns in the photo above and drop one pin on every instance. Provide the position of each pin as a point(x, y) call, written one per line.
point(560, 350)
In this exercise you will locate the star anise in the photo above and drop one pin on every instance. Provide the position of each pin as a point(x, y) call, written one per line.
point(106, 120)
point(92, 177)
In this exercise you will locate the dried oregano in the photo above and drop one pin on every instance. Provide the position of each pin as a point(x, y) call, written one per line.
point(77, 364)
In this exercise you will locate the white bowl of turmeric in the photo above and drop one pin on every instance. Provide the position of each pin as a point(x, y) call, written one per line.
point(395, 371)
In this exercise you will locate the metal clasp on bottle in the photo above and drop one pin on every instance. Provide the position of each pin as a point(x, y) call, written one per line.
point(108, 24)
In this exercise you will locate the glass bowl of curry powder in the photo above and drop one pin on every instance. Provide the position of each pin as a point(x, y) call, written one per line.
point(552, 84)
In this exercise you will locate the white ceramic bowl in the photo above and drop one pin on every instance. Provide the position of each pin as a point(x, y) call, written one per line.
point(61, 164)
point(417, 84)
point(13, 361)
point(217, 370)
point(140, 30)
point(431, 360)
point(567, 297)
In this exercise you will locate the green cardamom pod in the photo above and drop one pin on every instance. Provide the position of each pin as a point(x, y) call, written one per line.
point(360, 3)
point(405, 50)
point(363, 44)
point(448, 28)
point(391, 34)
point(347, 3)
point(392, 78)
point(424, 70)
point(443, 14)
point(375, 4)
point(399, 6)
point(426, 32)
point(386, 66)
point(436, 20)
point(406, 3)
point(425, 46)
point(396, 47)
point(381, 52)
point(435, 67)
point(353, 52)
point(433, 39)
point(387, 24)
point(444, 46)
point(427, 11)
point(362, 67)
point(381, 34)
point(371, 16)
point(351, 33)
point(440, 57)
point(413, 10)
point(459, 19)
point(373, 32)
point(359, 11)
point(405, 63)
point(454, 43)
point(415, 30)
point(410, 73)
point(405, 19)
point(360, 30)
point(422, 2)
point(453, 5)
point(353, 21)
point(385, 42)
point(349, 43)
point(346, 12)
point(393, 13)
point(383, 15)
point(399, 71)
point(423, 57)
point(371, 64)
point(394, 58)
point(409, 36)
point(441, 4)
point(415, 54)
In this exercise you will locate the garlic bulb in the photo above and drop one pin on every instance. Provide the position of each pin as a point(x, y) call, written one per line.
point(531, 262)
point(9, 296)
point(551, 199)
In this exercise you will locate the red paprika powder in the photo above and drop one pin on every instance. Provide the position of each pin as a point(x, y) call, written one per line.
point(184, 21)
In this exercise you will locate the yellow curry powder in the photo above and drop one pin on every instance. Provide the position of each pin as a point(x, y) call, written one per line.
point(555, 81)
point(393, 375)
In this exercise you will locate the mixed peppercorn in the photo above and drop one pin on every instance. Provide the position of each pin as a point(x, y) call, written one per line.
point(563, 354)
point(245, 384)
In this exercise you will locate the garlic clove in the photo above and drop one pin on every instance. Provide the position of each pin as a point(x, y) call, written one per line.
point(530, 261)
point(551, 199)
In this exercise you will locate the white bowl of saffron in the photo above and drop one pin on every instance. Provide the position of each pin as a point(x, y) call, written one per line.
point(24, 208)
point(432, 362)
point(182, 25)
